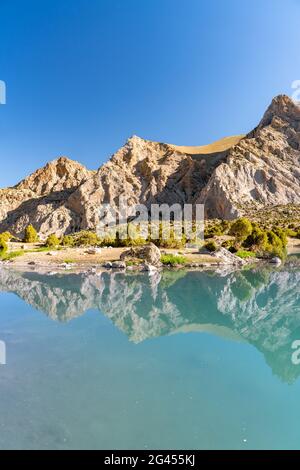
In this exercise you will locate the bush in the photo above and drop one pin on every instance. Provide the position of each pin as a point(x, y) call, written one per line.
point(168, 238)
point(227, 244)
point(210, 246)
point(52, 241)
point(172, 260)
point(3, 245)
point(281, 234)
point(67, 240)
point(241, 228)
point(258, 238)
point(7, 236)
point(214, 231)
point(275, 246)
point(31, 235)
point(86, 238)
point(291, 233)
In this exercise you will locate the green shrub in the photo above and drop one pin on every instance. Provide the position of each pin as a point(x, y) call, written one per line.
point(245, 254)
point(86, 238)
point(3, 245)
point(172, 259)
point(214, 231)
point(13, 254)
point(168, 238)
point(291, 233)
point(52, 241)
point(227, 244)
point(67, 240)
point(31, 235)
point(131, 236)
point(275, 246)
point(210, 246)
point(241, 228)
point(258, 238)
point(281, 234)
point(7, 236)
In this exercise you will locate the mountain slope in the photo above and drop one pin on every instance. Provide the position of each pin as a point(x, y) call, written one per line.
point(262, 169)
point(40, 198)
point(231, 177)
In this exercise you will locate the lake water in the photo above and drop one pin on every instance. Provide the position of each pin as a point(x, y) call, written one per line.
point(179, 360)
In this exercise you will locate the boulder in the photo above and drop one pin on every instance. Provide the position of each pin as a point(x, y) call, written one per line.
point(148, 253)
point(107, 265)
point(93, 251)
point(118, 265)
point(276, 260)
point(227, 257)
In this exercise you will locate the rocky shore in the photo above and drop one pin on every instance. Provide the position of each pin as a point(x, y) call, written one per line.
point(146, 258)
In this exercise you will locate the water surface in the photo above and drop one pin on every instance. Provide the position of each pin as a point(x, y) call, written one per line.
point(181, 360)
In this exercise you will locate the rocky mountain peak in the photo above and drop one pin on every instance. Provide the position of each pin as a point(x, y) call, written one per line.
point(57, 175)
point(232, 177)
point(282, 108)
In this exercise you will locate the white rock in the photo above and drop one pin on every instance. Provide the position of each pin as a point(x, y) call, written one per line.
point(93, 251)
point(276, 260)
point(118, 265)
point(107, 265)
point(227, 257)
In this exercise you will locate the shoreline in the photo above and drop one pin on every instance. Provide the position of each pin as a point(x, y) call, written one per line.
point(85, 259)
point(109, 258)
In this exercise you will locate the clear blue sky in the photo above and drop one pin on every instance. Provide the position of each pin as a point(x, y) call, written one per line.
point(84, 75)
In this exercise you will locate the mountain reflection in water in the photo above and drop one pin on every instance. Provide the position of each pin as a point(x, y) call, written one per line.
point(258, 306)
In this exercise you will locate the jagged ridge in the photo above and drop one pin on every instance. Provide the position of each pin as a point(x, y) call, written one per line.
point(231, 178)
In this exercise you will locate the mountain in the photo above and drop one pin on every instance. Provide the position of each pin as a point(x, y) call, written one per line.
point(40, 199)
point(234, 176)
point(262, 169)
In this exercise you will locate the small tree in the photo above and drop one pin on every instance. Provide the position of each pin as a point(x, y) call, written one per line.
point(7, 236)
point(241, 228)
point(31, 235)
point(52, 241)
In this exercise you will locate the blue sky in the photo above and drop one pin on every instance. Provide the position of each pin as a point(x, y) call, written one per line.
point(84, 75)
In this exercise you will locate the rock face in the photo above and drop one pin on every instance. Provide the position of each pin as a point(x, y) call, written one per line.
point(41, 199)
point(262, 169)
point(231, 178)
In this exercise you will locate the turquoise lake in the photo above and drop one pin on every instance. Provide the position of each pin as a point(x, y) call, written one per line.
point(178, 360)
